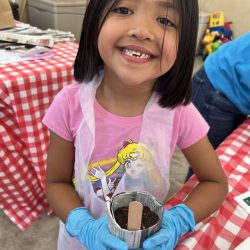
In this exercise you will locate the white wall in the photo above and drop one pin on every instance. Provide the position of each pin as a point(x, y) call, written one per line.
point(236, 11)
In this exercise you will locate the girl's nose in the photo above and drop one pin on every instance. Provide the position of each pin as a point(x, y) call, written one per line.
point(141, 32)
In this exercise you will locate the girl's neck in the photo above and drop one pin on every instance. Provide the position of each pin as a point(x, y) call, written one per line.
point(123, 100)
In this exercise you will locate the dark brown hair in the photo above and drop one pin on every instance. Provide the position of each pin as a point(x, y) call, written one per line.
point(174, 87)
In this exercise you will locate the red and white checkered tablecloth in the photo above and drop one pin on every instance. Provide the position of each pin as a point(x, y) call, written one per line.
point(230, 225)
point(26, 91)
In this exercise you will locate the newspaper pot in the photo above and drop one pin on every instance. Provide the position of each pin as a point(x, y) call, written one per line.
point(135, 238)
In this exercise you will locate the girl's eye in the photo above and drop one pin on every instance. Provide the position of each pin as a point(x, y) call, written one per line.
point(122, 11)
point(166, 22)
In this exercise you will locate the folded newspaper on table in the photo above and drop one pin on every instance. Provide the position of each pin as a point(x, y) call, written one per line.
point(22, 54)
point(24, 33)
point(60, 36)
point(41, 40)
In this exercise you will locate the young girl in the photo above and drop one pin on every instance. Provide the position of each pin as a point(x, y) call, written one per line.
point(133, 72)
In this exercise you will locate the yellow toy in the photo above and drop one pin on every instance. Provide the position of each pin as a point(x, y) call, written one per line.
point(208, 41)
point(217, 33)
point(216, 20)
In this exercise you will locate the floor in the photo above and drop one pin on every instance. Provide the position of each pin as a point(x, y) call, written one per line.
point(42, 234)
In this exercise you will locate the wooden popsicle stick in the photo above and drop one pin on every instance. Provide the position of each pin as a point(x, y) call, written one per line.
point(134, 215)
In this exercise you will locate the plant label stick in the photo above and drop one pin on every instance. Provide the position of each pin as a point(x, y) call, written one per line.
point(134, 215)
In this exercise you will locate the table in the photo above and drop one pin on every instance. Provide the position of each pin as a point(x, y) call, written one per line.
point(230, 225)
point(26, 91)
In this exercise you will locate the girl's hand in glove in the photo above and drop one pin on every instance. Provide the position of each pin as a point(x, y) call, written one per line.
point(177, 221)
point(92, 233)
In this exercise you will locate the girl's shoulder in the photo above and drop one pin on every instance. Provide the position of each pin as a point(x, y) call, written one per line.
point(189, 125)
point(70, 91)
point(68, 99)
point(64, 114)
point(187, 114)
point(181, 109)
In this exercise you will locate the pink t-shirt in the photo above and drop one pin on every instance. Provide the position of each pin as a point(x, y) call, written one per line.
point(112, 132)
point(64, 117)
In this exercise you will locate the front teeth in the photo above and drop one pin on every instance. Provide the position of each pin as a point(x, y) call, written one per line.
point(136, 54)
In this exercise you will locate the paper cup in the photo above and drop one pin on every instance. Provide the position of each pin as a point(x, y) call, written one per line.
point(134, 239)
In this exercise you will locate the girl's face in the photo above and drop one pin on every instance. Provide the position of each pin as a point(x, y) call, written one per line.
point(138, 40)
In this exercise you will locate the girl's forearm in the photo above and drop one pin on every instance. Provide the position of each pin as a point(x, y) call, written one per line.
point(212, 188)
point(206, 198)
point(62, 198)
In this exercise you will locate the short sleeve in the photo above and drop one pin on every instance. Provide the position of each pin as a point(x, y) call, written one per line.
point(192, 126)
point(59, 117)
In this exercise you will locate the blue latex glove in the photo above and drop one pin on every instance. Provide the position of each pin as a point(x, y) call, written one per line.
point(92, 233)
point(177, 221)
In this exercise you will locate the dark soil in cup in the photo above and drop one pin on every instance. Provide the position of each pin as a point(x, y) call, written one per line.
point(149, 218)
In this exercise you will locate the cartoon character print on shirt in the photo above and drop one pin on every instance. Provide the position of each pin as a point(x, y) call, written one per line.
point(133, 167)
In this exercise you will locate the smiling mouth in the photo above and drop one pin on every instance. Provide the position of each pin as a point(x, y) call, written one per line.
point(135, 53)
